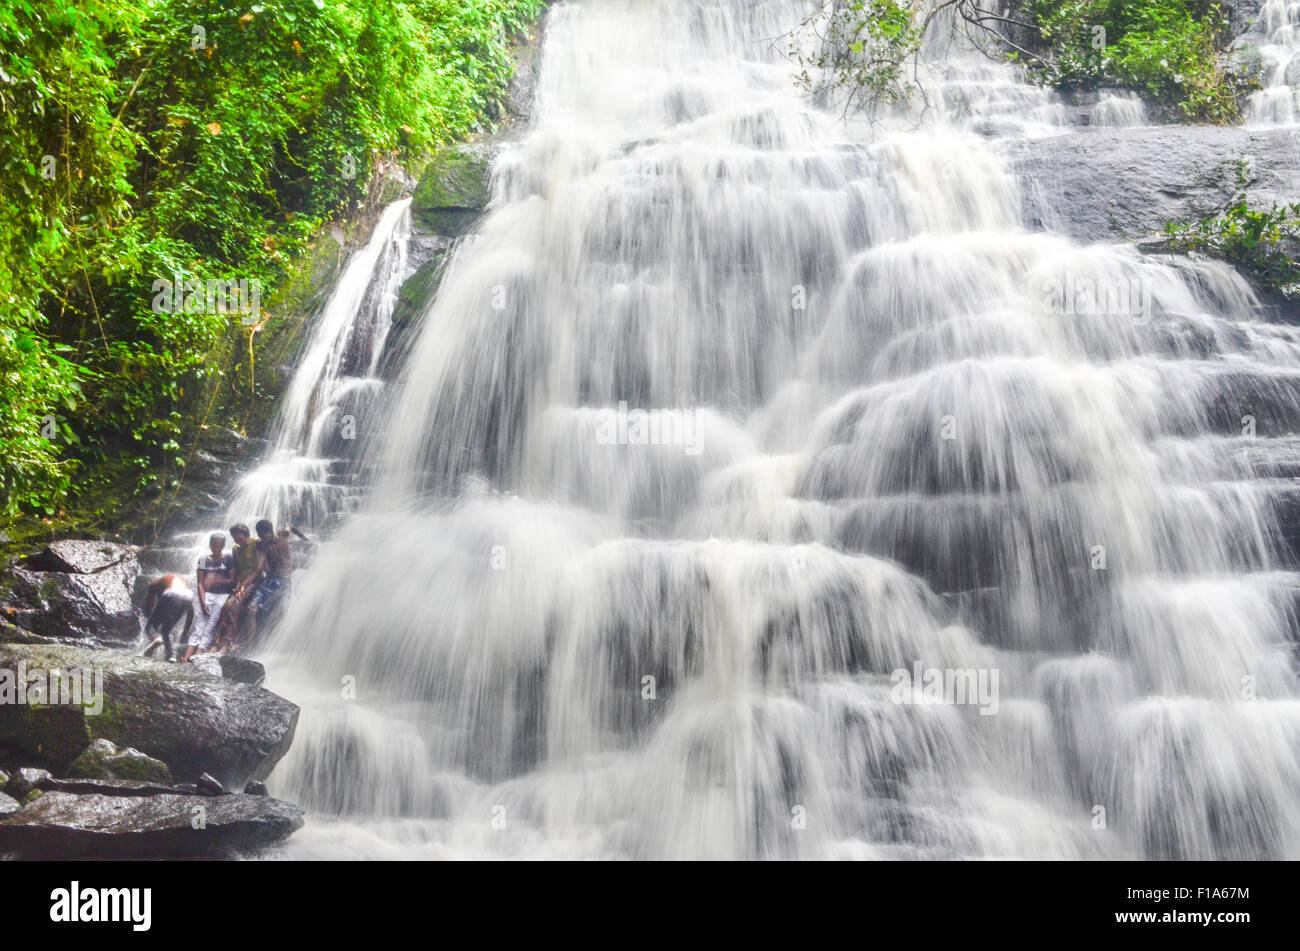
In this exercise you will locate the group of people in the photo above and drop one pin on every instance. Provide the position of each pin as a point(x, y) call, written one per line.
point(234, 593)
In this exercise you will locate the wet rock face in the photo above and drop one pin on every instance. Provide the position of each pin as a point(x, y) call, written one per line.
point(61, 825)
point(1110, 184)
point(453, 191)
point(521, 94)
point(239, 669)
point(193, 722)
point(24, 781)
point(79, 556)
point(80, 590)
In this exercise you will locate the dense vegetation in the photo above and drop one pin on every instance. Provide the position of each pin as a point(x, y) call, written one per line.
point(146, 140)
point(1262, 243)
point(1168, 50)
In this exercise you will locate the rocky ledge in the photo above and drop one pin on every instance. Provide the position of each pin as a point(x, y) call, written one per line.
point(1121, 184)
point(105, 819)
point(105, 754)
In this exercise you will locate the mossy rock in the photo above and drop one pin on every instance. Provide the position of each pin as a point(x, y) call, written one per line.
point(454, 190)
point(419, 289)
point(103, 760)
point(56, 733)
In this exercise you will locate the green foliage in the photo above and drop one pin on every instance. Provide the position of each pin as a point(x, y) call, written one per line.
point(153, 140)
point(1167, 49)
point(1262, 243)
point(860, 47)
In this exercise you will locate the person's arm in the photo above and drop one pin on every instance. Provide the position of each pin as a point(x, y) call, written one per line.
point(258, 571)
point(203, 589)
point(189, 620)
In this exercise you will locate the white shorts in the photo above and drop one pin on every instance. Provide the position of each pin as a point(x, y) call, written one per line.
point(201, 634)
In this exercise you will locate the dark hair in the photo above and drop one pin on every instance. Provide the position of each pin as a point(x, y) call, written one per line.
point(239, 528)
point(264, 527)
point(216, 537)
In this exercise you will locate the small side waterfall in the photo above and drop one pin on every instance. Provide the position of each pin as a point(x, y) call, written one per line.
point(1278, 103)
point(308, 475)
point(759, 487)
point(1115, 109)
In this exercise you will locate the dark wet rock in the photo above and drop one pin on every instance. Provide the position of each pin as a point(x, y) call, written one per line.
point(109, 787)
point(239, 669)
point(23, 781)
point(1106, 184)
point(415, 296)
point(521, 94)
point(103, 760)
point(75, 589)
point(66, 826)
point(208, 786)
point(13, 634)
point(193, 722)
point(228, 445)
point(79, 556)
point(242, 670)
point(419, 290)
point(453, 191)
point(256, 789)
point(207, 663)
point(8, 805)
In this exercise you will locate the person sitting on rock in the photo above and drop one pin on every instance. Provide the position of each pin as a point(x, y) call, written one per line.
point(215, 577)
point(170, 598)
point(274, 566)
point(245, 559)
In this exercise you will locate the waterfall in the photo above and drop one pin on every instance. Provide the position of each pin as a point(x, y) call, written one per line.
point(1279, 50)
point(759, 487)
point(1119, 109)
point(303, 477)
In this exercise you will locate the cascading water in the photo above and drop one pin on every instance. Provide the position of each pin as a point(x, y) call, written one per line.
point(888, 438)
point(1119, 110)
point(305, 477)
point(1278, 103)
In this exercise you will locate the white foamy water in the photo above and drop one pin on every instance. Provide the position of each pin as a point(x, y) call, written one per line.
point(1278, 103)
point(303, 478)
point(911, 435)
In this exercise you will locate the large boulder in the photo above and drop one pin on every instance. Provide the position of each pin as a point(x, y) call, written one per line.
point(1105, 184)
point(193, 722)
point(454, 189)
point(60, 825)
point(83, 590)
